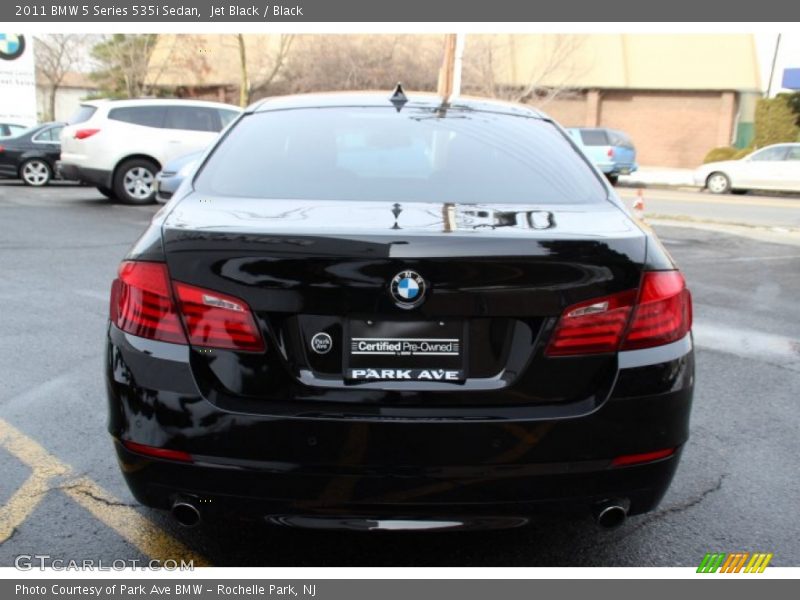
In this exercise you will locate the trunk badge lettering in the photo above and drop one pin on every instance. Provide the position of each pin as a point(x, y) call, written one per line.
point(209, 300)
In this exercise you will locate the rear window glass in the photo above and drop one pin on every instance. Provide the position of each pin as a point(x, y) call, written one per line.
point(192, 118)
point(416, 155)
point(619, 139)
point(148, 116)
point(226, 116)
point(51, 134)
point(84, 113)
point(594, 137)
point(7, 129)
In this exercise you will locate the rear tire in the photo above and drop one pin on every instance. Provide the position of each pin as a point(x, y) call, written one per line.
point(134, 181)
point(107, 192)
point(612, 179)
point(35, 172)
point(718, 183)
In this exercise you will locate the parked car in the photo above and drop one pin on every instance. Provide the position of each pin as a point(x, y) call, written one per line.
point(32, 154)
point(11, 129)
point(775, 167)
point(381, 312)
point(169, 179)
point(119, 146)
point(612, 151)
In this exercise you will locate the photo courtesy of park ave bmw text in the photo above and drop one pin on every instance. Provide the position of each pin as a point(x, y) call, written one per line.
point(441, 296)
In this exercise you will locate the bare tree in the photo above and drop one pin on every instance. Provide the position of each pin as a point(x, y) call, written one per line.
point(267, 71)
point(259, 68)
point(56, 55)
point(178, 54)
point(546, 67)
point(122, 61)
point(358, 62)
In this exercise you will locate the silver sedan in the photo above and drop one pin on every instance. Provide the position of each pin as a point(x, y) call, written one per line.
point(775, 167)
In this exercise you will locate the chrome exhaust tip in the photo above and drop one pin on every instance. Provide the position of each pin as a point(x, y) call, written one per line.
point(185, 513)
point(611, 513)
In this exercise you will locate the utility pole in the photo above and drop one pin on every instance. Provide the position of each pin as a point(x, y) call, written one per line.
point(450, 73)
point(772, 68)
point(244, 79)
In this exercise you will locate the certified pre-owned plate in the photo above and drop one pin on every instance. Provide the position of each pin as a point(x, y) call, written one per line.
point(405, 351)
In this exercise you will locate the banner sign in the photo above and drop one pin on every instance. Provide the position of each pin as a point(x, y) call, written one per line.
point(406, 589)
point(443, 11)
point(17, 81)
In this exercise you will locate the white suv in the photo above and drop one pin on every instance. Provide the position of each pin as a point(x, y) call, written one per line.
point(119, 145)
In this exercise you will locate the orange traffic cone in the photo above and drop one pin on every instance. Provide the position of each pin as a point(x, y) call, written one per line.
point(638, 205)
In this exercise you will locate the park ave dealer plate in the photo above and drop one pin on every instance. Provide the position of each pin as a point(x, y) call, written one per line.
point(405, 351)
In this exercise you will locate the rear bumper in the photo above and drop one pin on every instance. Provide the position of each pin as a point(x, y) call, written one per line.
point(166, 185)
point(311, 465)
point(617, 168)
point(95, 177)
point(277, 492)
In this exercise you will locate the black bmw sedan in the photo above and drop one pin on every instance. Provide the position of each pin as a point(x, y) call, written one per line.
point(372, 314)
point(32, 154)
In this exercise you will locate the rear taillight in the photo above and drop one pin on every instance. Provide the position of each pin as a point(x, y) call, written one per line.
point(217, 320)
point(663, 313)
point(594, 326)
point(82, 134)
point(2, 149)
point(660, 313)
point(610, 153)
point(142, 304)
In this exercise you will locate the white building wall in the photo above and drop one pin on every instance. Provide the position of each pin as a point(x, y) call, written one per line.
point(67, 101)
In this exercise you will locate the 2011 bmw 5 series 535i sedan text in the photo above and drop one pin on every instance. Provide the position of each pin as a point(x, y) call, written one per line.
point(368, 313)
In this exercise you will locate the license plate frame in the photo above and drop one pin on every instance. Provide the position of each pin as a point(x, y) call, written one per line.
point(405, 350)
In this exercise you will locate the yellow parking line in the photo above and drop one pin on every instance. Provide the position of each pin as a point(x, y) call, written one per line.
point(148, 537)
point(21, 505)
point(23, 502)
point(29, 452)
point(131, 525)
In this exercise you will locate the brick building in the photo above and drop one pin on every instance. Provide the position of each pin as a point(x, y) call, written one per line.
point(677, 96)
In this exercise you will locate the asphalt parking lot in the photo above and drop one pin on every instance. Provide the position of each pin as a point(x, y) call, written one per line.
point(736, 489)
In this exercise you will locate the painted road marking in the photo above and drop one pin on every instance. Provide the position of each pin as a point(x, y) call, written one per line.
point(747, 343)
point(718, 259)
point(143, 533)
point(25, 500)
point(125, 520)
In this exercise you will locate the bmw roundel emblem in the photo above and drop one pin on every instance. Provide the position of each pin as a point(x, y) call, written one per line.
point(12, 45)
point(408, 289)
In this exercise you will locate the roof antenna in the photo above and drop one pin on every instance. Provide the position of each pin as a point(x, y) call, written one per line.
point(399, 97)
